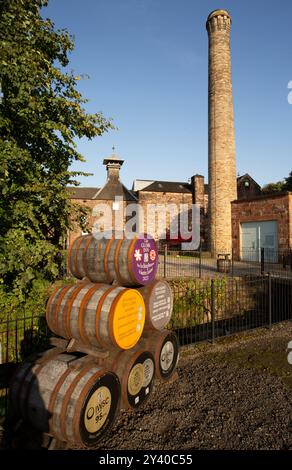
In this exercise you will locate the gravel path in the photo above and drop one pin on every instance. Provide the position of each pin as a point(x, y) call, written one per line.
point(236, 394)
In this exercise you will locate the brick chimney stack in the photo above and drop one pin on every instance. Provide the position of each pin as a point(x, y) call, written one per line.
point(198, 190)
point(222, 162)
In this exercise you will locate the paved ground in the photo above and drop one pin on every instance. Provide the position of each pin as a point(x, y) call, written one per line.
point(236, 394)
point(180, 266)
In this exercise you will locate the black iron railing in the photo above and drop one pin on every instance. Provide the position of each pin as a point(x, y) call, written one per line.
point(175, 263)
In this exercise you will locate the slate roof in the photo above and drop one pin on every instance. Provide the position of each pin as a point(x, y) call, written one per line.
point(113, 188)
point(82, 193)
point(168, 187)
point(107, 192)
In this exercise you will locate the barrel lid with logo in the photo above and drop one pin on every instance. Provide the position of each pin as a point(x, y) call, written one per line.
point(158, 298)
point(169, 355)
point(140, 379)
point(99, 408)
point(143, 257)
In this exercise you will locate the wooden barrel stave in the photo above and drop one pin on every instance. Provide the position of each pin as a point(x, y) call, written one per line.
point(123, 264)
point(94, 261)
point(70, 318)
point(40, 392)
point(111, 259)
point(24, 378)
point(71, 399)
point(75, 256)
point(56, 303)
point(56, 419)
point(103, 331)
point(80, 267)
point(88, 332)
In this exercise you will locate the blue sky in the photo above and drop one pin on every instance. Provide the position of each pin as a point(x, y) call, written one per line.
point(148, 67)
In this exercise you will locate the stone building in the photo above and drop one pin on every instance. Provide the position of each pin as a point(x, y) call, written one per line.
point(174, 193)
point(145, 193)
point(149, 192)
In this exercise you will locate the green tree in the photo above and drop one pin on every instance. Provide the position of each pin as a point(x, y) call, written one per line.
point(273, 187)
point(288, 182)
point(41, 115)
point(285, 185)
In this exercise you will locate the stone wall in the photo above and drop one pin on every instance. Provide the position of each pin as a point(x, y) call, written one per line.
point(146, 198)
point(96, 213)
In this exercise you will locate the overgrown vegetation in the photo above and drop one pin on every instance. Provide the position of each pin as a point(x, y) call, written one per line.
point(193, 300)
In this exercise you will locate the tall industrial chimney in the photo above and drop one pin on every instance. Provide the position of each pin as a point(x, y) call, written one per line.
point(222, 163)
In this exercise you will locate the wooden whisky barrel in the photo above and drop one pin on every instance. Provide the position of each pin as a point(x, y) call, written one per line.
point(75, 405)
point(88, 257)
point(164, 346)
point(158, 298)
point(135, 369)
point(129, 262)
point(98, 315)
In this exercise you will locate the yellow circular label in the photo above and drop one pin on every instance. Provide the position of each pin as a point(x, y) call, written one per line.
point(136, 379)
point(97, 409)
point(129, 318)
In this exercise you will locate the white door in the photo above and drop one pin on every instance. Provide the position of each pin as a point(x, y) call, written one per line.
point(249, 241)
point(269, 240)
point(257, 235)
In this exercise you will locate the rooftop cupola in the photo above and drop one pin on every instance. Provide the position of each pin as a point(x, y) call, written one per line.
point(113, 164)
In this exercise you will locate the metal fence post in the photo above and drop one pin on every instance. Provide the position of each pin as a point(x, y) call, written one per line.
point(232, 262)
point(270, 298)
point(164, 261)
point(262, 260)
point(200, 261)
point(213, 309)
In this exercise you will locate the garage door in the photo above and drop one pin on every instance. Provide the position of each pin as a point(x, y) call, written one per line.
point(257, 235)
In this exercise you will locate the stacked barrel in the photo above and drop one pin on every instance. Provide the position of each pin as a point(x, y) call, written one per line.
point(117, 312)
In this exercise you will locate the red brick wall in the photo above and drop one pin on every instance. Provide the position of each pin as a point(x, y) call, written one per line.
point(272, 207)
